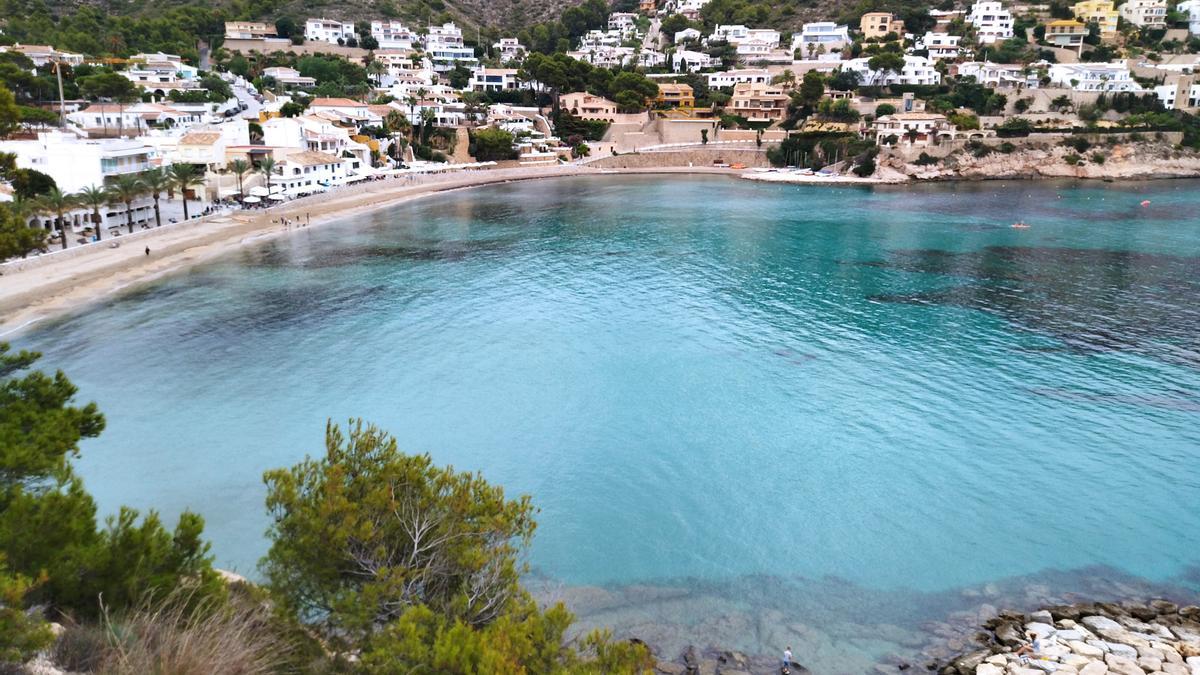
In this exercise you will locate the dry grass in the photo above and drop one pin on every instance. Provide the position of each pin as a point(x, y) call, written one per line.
point(179, 636)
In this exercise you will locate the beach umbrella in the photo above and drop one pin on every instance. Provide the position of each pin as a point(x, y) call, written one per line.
point(259, 191)
point(276, 197)
point(252, 199)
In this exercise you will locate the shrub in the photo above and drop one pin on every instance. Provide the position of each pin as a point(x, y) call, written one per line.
point(1007, 148)
point(925, 160)
point(1098, 157)
point(1072, 159)
point(1077, 143)
point(980, 149)
point(885, 109)
point(865, 168)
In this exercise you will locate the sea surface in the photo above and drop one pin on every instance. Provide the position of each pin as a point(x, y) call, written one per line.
point(751, 415)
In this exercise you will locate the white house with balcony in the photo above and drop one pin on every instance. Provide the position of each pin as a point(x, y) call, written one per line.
point(393, 35)
point(1183, 93)
point(445, 47)
point(918, 70)
point(44, 54)
point(288, 76)
point(1099, 77)
point(992, 22)
point(309, 170)
point(1145, 13)
point(736, 33)
point(687, 34)
point(75, 163)
point(623, 22)
point(328, 30)
point(1191, 9)
point(495, 79)
point(822, 36)
point(1000, 75)
point(732, 78)
point(913, 128)
point(509, 49)
point(687, 61)
point(939, 45)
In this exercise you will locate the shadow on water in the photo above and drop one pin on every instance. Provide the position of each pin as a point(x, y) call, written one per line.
point(834, 625)
point(1091, 300)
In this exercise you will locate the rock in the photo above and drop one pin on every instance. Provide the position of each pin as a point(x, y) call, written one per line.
point(733, 659)
point(1065, 612)
point(691, 657)
point(988, 669)
point(1008, 635)
point(1044, 666)
point(1122, 650)
point(1094, 668)
point(1150, 664)
point(1164, 607)
point(967, 663)
point(1190, 612)
point(1144, 613)
point(1042, 630)
point(1169, 653)
point(996, 660)
point(1100, 623)
point(1041, 616)
point(1194, 663)
point(1098, 644)
point(738, 671)
point(668, 668)
point(1086, 650)
point(1189, 651)
point(1152, 653)
point(1176, 669)
point(1119, 665)
point(708, 667)
point(1070, 635)
point(1075, 660)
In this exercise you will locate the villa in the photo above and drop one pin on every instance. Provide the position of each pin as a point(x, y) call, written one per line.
point(999, 75)
point(393, 35)
point(1191, 10)
point(675, 95)
point(44, 54)
point(913, 128)
point(731, 78)
point(880, 24)
point(1100, 12)
point(445, 48)
point(1145, 13)
point(308, 169)
point(1066, 33)
point(689, 61)
point(992, 22)
point(1106, 77)
point(328, 30)
point(509, 49)
point(759, 102)
point(76, 163)
point(940, 45)
point(918, 70)
point(825, 36)
point(249, 30)
point(288, 76)
point(589, 106)
point(495, 79)
point(687, 34)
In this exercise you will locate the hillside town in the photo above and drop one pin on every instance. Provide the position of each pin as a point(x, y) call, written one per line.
point(274, 112)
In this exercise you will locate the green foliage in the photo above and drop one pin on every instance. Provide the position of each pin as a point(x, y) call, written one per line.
point(964, 121)
point(17, 239)
point(30, 183)
point(291, 109)
point(106, 84)
point(22, 633)
point(48, 522)
point(492, 145)
point(10, 114)
point(885, 109)
point(926, 160)
point(97, 31)
point(1078, 143)
point(815, 150)
point(837, 111)
point(1014, 126)
point(558, 36)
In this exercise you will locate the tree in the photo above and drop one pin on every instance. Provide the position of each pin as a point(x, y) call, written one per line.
point(239, 167)
point(884, 109)
point(10, 113)
point(885, 63)
point(17, 239)
point(48, 527)
point(286, 27)
point(267, 167)
point(93, 197)
point(124, 190)
point(291, 109)
point(156, 181)
point(490, 145)
point(57, 203)
point(30, 183)
point(364, 533)
point(185, 178)
point(21, 634)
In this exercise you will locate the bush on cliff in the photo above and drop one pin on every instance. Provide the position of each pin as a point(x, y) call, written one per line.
point(415, 565)
point(48, 527)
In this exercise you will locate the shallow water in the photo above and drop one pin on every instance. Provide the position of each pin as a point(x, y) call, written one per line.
point(712, 387)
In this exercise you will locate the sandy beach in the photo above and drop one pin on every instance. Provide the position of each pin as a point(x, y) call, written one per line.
point(43, 287)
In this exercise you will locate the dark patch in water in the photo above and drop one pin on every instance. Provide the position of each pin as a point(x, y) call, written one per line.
point(1182, 403)
point(1089, 299)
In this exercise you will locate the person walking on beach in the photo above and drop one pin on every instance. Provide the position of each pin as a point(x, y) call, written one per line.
point(147, 250)
point(786, 666)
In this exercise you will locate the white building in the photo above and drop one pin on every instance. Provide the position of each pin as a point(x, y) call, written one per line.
point(393, 35)
point(623, 22)
point(44, 54)
point(1191, 9)
point(687, 34)
point(940, 45)
point(445, 48)
point(76, 163)
point(992, 22)
point(918, 70)
point(604, 56)
point(690, 9)
point(731, 78)
point(350, 111)
point(689, 61)
point(1108, 77)
point(110, 118)
point(495, 79)
point(307, 169)
point(288, 76)
point(328, 30)
point(823, 36)
point(1145, 13)
point(736, 34)
point(509, 49)
point(999, 75)
point(651, 58)
point(1184, 93)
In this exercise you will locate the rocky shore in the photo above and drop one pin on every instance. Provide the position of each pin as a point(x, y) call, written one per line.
point(1085, 639)
point(1122, 161)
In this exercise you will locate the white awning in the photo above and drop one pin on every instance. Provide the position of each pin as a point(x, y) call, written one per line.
point(259, 191)
point(251, 200)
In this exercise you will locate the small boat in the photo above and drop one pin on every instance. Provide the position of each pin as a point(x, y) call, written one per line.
point(1145, 203)
point(1020, 225)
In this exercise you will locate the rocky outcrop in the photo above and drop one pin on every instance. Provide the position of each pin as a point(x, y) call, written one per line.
point(1128, 160)
point(1152, 638)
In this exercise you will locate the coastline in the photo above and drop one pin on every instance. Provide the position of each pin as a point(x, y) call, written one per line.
point(50, 288)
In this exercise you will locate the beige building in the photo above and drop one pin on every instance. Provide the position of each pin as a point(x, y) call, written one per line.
point(879, 24)
point(248, 30)
point(913, 128)
point(588, 106)
point(1100, 12)
point(1066, 33)
point(675, 95)
point(759, 102)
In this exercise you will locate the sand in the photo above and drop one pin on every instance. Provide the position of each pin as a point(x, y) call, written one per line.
point(60, 284)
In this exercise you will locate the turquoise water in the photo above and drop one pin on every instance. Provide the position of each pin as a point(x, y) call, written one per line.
point(703, 383)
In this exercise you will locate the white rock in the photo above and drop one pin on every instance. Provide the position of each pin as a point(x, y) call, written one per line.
point(1124, 651)
point(1150, 664)
point(1094, 668)
point(996, 660)
point(1042, 630)
point(1152, 653)
point(1075, 660)
point(1069, 634)
point(1121, 665)
point(1099, 623)
point(1176, 669)
point(1098, 648)
point(988, 669)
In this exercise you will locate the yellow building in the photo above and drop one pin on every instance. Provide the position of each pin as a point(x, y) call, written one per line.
point(879, 24)
point(1066, 33)
point(676, 95)
point(1102, 13)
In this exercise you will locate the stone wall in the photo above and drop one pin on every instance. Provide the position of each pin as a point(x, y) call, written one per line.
point(697, 156)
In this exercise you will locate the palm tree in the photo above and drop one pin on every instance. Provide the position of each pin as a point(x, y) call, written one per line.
point(266, 166)
point(376, 69)
point(57, 203)
point(240, 168)
point(184, 177)
point(93, 197)
point(124, 190)
point(156, 181)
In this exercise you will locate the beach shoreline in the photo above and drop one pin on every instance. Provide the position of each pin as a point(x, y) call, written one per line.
point(36, 289)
